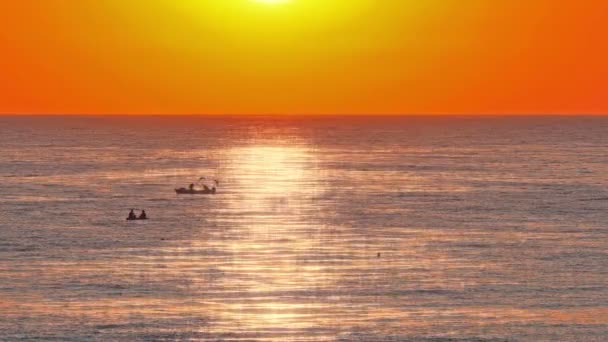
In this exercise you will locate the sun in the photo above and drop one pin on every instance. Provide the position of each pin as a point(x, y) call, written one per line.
point(272, 1)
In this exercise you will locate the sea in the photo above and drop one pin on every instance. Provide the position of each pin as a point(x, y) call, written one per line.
point(334, 228)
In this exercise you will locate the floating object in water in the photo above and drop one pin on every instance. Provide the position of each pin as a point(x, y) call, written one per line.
point(136, 219)
point(133, 217)
point(206, 191)
point(195, 189)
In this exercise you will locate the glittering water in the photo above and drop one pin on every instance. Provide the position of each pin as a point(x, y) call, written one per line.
point(488, 229)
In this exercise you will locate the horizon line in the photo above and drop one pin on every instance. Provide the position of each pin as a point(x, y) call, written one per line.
point(317, 115)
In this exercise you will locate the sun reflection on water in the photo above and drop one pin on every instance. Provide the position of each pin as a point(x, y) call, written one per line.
point(276, 185)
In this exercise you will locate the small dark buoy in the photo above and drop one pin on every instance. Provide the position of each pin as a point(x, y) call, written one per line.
point(379, 255)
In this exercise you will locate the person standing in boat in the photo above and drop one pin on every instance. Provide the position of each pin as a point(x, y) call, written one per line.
point(191, 187)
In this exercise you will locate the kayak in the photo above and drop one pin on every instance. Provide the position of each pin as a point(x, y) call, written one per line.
point(184, 191)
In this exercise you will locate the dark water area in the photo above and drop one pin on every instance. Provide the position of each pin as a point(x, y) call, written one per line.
point(323, 229)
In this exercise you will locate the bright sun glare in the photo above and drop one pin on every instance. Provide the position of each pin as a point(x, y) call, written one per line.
point(271, 1)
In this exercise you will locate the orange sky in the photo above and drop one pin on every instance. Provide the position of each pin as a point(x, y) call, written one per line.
point(304, 57)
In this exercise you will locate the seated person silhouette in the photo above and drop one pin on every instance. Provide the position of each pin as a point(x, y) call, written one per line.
point(143, 215)
point(132, 215)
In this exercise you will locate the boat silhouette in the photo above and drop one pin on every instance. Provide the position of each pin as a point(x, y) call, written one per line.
point(192, 190)
point(184, 191)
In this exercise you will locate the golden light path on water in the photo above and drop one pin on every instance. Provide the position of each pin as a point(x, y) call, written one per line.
point(275, 182)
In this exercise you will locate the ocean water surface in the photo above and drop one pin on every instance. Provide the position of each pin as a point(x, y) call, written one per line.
point(323, 229)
